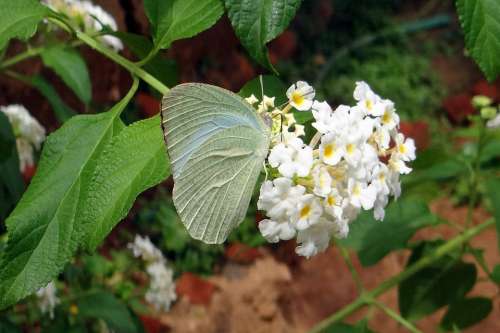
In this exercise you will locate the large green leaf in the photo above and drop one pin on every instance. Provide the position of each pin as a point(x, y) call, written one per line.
point(176, 19)
point(493, 191)
point(104, 305)
point(11, 182)
point(217, 144)
point(257, 22)
point(402, 220)
point(71, 67)
point(480, 21)
point(19, 19)
point(135, 160)
point(42, 229)
point(61, 110)
point(436, 285)
point(466, 312)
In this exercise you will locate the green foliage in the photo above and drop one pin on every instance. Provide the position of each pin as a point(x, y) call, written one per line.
point(496, 274)
point(177, 19)
point(71, 68)
point(493, 190)
point(480, 21)
point(19, 19)
point(105, 306)
point(132, 162)
point(62, 111)
point(466, 312)
point(162, 68)
point(206, 126)
point(11, 182)
point(435, 286)
point(43, 229)
point(256, 23)
point(369, 237)
point(407, 78)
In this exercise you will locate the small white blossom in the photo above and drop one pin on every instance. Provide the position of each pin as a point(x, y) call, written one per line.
point(405, 148)
point(314, 239)
point(274, 231)
point(322, 181)
point(279, 198)
point(28, 132)
point(301, 95)
point(251, 99)
point(322, 113)
point(143, 248)
point(494, 123)
point(307, 212)
point(292, 158)
point(368, 101)
point(47, 299)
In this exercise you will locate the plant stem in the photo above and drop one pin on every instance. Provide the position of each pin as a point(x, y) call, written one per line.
point(394, 315)
point(395, 280)
point(127, 64)
point(354, 273)
point(476, 168)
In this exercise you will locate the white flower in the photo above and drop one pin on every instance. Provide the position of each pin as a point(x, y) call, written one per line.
point(28, 131)
point(390, 118)
point(368, 101)
point(314, 239)
point(380, 176)
point(331, 149)
point(360, 194)
point(266, 105)
point(292, 158)
point(143, 247)
point(307, 212)
point(405, 149)
point(379, 207)
point(161, 292)
point(494, 123)
point(93, 18)
point(398, 165)
point(251, 99)
point(47, 299)
point(322, 113)
point(322, 181)
point(279, 198)
point(334, 204)
point(273, 231)
point(301, 95)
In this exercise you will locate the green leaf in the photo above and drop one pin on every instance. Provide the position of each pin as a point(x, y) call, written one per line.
point(493, 192)
point(258, 22)
point(480, 21)
point(42, 229)
point(62, 111)
point(164, 69)
point(134, 160)
point(434, 286)
point(466, 312)
point(11, 181)
point(495, 274)
point(402, 220)
point(177, 19)
point(105, 306)
point(19, 19)
point(71, 68)
point(217, 144)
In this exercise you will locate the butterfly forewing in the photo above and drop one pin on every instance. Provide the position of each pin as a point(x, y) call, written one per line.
point(217, 144)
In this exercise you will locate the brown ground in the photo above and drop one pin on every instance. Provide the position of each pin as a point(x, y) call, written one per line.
point(272, 296)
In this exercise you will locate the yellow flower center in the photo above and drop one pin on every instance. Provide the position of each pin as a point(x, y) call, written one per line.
point(73, 309)
point(350, 148)
point(369, 104)
point(304, 212)
point(329, 150)
point(402, 148)
point(331, 200)
point(297, 98)
point(386, 118)
point(356, 190)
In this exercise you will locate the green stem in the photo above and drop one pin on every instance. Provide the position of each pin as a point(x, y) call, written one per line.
point(127, 64)
point(476, 169)
point(354, 273)
point(395, 280)
point(394, 315)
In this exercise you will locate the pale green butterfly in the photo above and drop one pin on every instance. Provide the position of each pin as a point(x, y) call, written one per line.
point(217, 144)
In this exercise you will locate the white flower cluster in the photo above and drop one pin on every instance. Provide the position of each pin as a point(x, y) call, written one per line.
point(91, 17)
point(315, 192)
point(28, 132)
point(161, 292)
point(47, 299)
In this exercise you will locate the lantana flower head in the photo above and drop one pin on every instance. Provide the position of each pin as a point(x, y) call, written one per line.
point(353, 163)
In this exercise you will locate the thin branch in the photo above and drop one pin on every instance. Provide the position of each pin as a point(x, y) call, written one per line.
point(396, 316)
